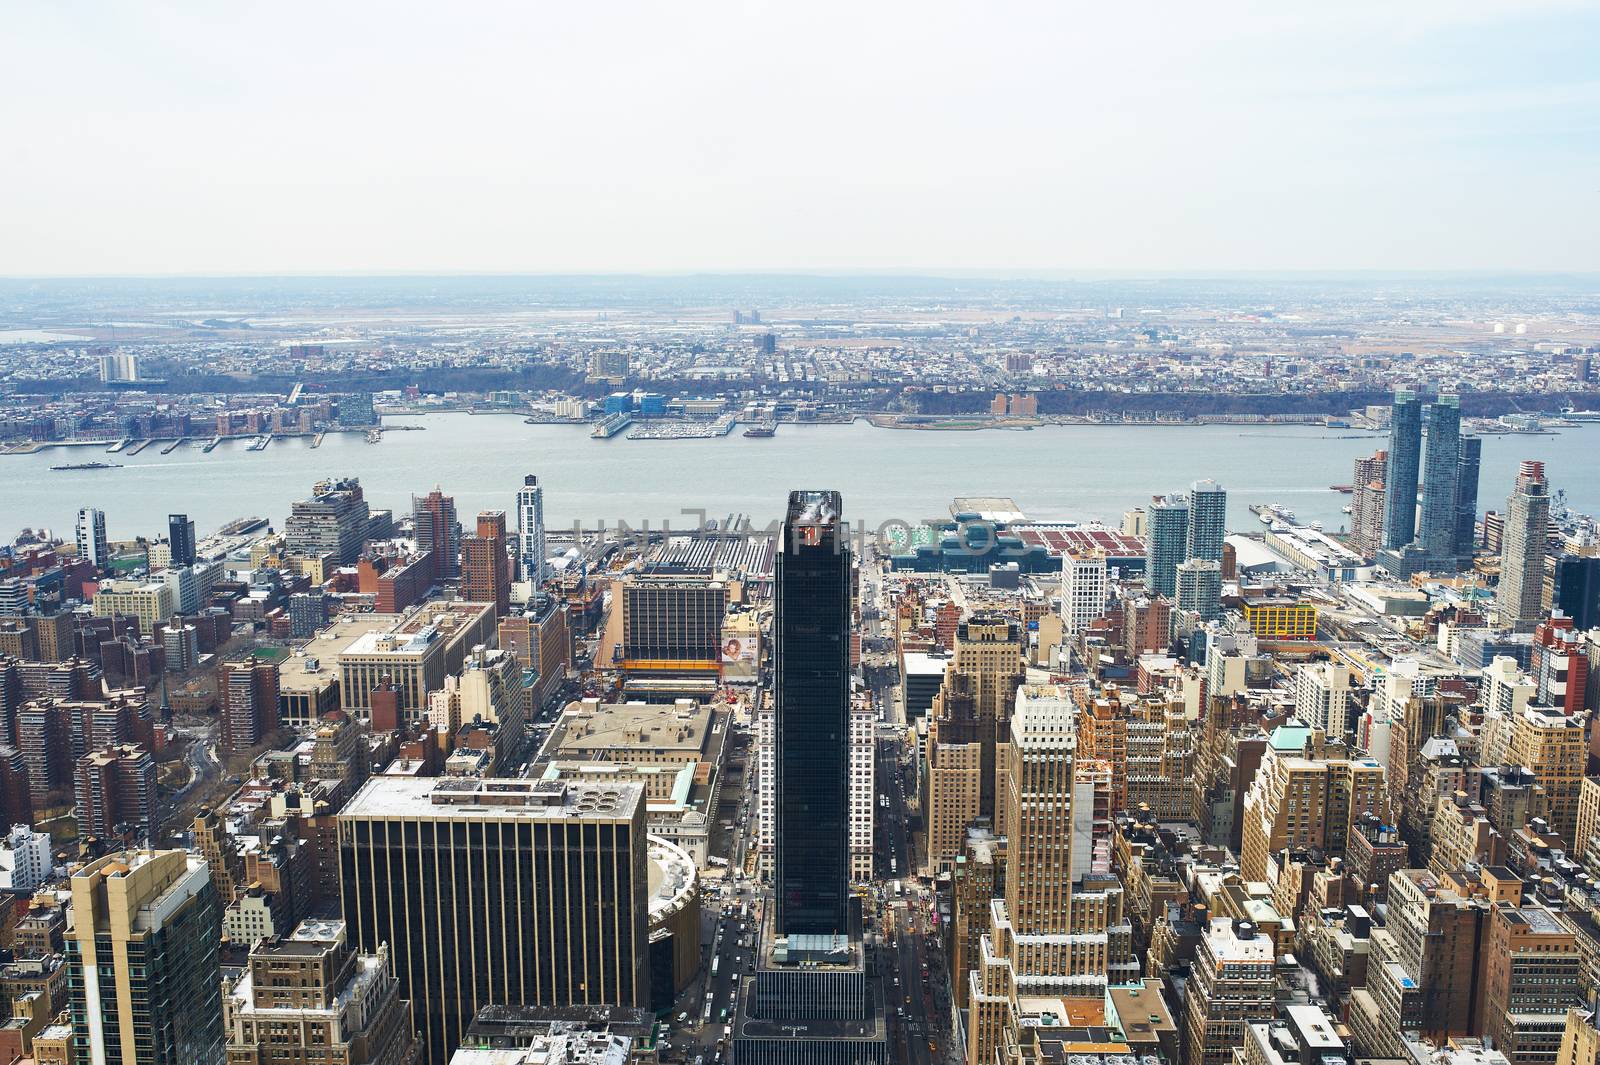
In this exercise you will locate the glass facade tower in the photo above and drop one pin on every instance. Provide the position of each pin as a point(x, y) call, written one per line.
point(1405, 456)
point(1442, 466)
point(812, 718)
point(1208, 521)
point(1467, 496)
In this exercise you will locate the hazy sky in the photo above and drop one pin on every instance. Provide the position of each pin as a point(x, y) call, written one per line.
point(234, 138)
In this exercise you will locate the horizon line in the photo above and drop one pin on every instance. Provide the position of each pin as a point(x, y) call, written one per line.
point(1060, 274)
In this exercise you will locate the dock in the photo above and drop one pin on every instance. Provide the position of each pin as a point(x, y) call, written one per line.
point(175, 445)
point(211, 445)
point(611, 425)
point(316, 441)
point(140, 446)
point(119, 445)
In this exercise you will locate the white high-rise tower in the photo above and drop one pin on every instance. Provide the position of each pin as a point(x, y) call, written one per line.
point(531, 552)
point(92, 543)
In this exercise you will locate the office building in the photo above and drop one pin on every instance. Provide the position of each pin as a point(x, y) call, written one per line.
point(1423, 974)
point(811, 997)
point(310, 997)
point(1577, 590)
point(1302, 797)
point(1439, 521)
point(1533, 972)
point(672, 625)
point(1208, 521)
point(1200, 588)
point(498, 891)
point(1467, 498)
point(1085, 589)
point(93, 547)
point(1278, 618)
point(532, 554)
point(180, 539)
point(1400, 480)
point(1048, 945)
point(1167, 545)
point(438, 532)
point(1231, 985)
point(333, 522)
point(812, 701)
point(486, 563)
point(143, 943)
point(152, 602)
point(1519, 601)
point(1552, 745)
point(115, 791)
point(967, 725)
point(387, 671)
point(1304, 1034)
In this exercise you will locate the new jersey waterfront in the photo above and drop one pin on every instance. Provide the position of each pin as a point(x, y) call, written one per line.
point(1057, 472)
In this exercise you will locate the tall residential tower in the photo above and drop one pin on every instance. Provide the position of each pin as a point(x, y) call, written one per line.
point(531, 550)
point(1400, 481)
point(1519, 602)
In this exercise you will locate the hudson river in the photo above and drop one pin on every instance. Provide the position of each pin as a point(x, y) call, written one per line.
point(1055, 472)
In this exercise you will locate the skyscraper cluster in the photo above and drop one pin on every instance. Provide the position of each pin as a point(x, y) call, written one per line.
point(1188, 529)
point(1439, 535)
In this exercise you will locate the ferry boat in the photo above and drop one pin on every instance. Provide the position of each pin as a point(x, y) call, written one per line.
point(765, 429)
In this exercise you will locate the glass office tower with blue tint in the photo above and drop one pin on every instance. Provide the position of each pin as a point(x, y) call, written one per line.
point(1405, 457)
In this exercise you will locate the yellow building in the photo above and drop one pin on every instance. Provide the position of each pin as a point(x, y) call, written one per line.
point(1553, 745)
point(1281, 619)
point(151, 602)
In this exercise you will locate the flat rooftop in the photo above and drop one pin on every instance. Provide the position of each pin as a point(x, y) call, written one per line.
point(473, 798)
point(295, 673)
point(1000, 509)
point(587, 731)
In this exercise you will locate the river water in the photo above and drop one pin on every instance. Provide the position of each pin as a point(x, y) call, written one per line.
point(1053, 472)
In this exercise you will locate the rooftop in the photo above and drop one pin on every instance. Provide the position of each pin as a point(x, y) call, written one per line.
point(473, 798)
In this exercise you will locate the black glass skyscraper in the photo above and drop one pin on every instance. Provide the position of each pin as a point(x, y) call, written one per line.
point(1436, 530)
point(812, 717)
point(1405, 457)
point(1577, 591)
point(180, 536)
point(1467, 496)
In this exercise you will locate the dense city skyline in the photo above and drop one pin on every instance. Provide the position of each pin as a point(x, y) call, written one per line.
point(749, 534)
